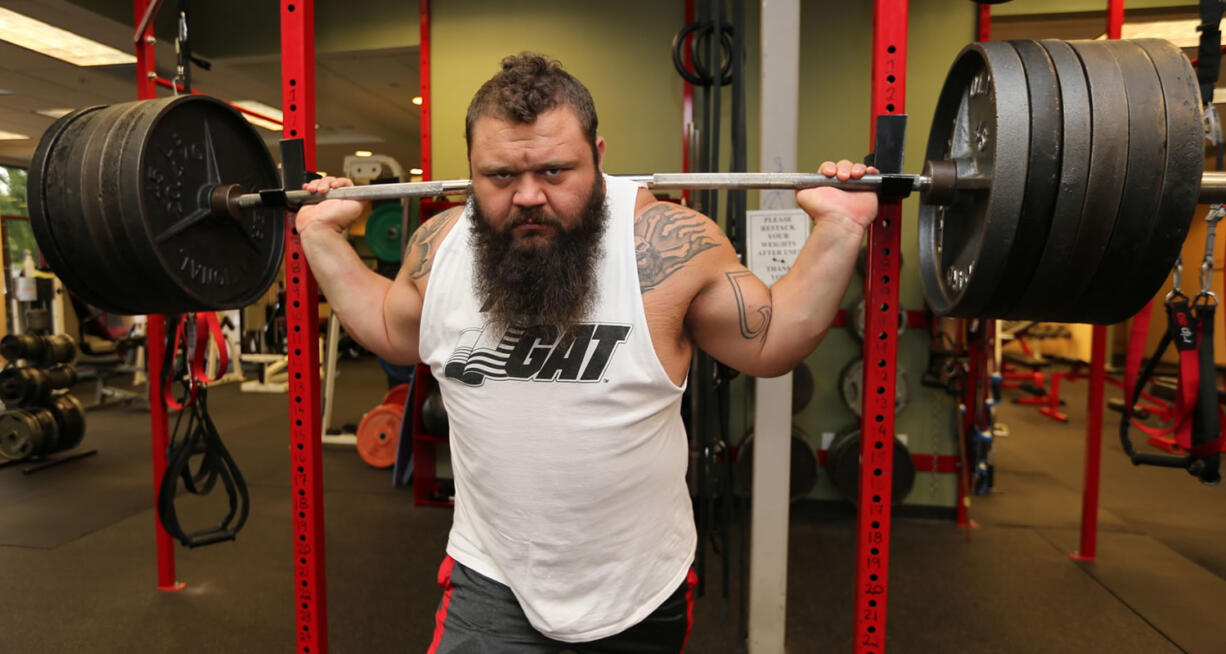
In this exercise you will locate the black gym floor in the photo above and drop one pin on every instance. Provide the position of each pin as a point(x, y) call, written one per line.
point(78, 562)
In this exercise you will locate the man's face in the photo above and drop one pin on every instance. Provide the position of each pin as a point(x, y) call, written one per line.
point(533, 179)
point(538, 215)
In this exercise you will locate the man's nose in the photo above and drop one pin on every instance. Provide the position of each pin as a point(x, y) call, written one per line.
point(528, 192)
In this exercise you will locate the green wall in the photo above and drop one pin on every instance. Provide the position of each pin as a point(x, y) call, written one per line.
point(620, 50)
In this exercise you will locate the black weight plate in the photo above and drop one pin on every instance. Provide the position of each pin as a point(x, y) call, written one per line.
point(1106, 300)
point(147, 284)
point(47, 438)
point(70, 419)
point(802, 471)
point(1049, 276)
point(176, 151)
point(982, 123)
point(1105, 183)
point(55, 204)
point(114, 261)
point(802, 387)
point(851, 387)
point(1185, 160)
point(19, 434)
point(843, 467)
point(1042, 176)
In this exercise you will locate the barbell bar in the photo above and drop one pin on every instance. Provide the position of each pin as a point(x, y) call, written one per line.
point(933, 191)
point(172, 205)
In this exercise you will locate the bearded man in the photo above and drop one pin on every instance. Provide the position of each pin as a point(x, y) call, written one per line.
point(558, 311)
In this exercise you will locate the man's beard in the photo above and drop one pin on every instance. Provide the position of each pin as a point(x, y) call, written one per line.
point(537, 282)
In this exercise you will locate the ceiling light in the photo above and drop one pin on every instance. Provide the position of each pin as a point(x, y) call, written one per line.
point(55, 42)
point(12, 136)
point(363, 153)
point(417, 99)
point(267, 115)
point(415, 171)
point(53, 113)
point(1182, 33)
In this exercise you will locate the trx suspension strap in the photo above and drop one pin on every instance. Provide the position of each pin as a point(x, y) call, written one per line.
point(195, 436)
point(1197, 428)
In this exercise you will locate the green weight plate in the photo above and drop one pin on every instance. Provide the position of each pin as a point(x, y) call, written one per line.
point(1185, 159)
point(1042, 176)
point(982, 124)
point(1106, 300)
point(1049, 275)
point(173, 155)
point(383, 232)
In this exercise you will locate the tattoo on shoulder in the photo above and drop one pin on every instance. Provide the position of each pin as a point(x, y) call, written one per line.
point(763, 319)
point(424, 243)
point(666, 237)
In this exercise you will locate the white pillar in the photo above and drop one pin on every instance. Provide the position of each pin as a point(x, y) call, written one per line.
point(768, 563)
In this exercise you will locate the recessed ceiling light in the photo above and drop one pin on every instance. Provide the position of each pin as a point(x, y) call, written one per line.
point(53, 113)
point(363, 153)
point(59, 43)
point(269, 118)
point(12, 136)
point(415, 171)
point(417, 99)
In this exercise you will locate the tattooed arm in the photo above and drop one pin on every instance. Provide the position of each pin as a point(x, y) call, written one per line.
point(381, 314)
point(734, 316)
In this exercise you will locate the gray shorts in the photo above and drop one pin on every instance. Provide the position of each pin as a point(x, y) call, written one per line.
point(478, 615)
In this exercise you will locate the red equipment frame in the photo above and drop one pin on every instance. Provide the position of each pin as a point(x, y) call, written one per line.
point(302, 318)
point(1088, 546)
point(889, 70)
point(155, 337)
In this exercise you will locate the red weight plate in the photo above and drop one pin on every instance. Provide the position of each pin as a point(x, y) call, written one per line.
point(378, 434)
point(396, 395)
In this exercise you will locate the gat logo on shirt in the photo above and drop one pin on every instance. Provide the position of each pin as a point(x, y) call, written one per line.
point(580, 355)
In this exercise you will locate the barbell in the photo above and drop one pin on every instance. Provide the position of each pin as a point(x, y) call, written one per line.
point(1059, 184)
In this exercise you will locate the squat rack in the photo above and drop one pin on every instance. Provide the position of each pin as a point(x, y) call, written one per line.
point(298, 104)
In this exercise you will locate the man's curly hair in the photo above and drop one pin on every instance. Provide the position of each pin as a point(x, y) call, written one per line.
point(528, 85)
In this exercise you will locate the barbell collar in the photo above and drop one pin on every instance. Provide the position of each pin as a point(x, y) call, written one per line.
point(1213, 188)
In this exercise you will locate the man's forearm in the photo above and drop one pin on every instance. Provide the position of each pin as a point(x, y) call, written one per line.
point(354, 292)
point(806, 300)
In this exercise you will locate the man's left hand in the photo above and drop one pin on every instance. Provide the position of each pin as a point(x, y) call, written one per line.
point(825, 203)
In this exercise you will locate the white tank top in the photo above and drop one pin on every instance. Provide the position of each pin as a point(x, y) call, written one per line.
point(569, 461)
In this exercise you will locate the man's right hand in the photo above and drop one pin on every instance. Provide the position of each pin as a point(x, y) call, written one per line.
point(333, 215)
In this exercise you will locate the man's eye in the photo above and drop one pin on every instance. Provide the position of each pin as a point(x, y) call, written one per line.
point(502, 176)
point(553, 172)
